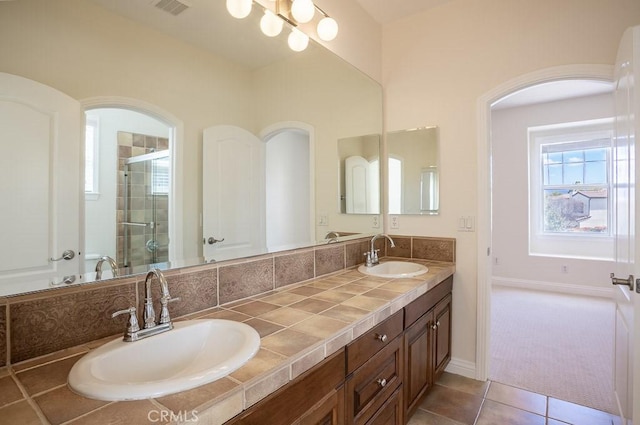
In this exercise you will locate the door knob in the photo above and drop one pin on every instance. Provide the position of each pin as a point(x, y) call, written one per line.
point(213, 240)
point(67, 280)
point(66, 255)
point(617, 281)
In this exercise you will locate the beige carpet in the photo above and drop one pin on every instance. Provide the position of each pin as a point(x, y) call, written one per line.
point(554, 344)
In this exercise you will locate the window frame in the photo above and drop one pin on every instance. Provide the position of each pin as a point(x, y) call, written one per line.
point(589, 245)
point(94, 122)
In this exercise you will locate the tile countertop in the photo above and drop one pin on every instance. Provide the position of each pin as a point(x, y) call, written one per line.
point(299, 326)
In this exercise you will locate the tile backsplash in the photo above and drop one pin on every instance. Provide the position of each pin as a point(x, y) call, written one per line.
point(33, 325)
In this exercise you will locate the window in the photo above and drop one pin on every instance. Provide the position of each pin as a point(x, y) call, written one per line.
point(570, 169)
point(575, 186)
point(395, 186)
point(160, 180)
point(91, 188)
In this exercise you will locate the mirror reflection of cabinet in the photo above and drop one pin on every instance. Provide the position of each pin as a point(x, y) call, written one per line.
point(360, 174)
point(413, 176)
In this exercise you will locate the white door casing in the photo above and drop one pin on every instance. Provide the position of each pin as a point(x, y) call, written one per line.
point(41, 132)
point(233, 186)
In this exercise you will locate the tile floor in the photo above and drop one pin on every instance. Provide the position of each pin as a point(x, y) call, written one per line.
point(456, 400)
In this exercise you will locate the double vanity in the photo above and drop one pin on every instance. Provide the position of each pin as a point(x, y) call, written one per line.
point(344, 347)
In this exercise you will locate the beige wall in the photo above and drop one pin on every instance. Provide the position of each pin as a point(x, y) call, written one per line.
point(435, 66)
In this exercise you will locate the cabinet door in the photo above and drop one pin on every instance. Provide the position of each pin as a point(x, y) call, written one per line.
point(442, 337)
point(418, 361)
point(329, 411)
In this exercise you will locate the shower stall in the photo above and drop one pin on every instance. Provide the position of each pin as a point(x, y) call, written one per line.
point(145, 209)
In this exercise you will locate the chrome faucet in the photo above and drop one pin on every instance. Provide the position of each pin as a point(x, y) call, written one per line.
point(133, 331)
point(332, 236)
point(371, 257)
point(112, 264)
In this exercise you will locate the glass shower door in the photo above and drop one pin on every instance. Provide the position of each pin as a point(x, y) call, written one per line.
point(146, 210)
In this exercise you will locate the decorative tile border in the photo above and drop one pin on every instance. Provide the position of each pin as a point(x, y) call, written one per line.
point(37, 324)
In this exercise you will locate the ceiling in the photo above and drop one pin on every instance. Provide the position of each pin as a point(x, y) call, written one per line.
point(553, 91)
point(386, 11)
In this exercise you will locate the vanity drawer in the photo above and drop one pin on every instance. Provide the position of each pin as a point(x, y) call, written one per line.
point(414, 310)
point(368, 344)
point(391, 413)
point(369, 387)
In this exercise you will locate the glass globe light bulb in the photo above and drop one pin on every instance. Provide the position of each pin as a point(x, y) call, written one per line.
point(270, 24)
point(239, 8)
point(303, 10)
point(298, 41)
point(327, 29)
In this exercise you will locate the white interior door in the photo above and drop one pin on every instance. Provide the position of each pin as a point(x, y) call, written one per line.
point(625, 215)
point(40, 133)
point(233, 193)
point(356, 181)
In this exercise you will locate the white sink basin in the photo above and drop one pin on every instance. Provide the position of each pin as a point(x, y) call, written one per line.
point(194, 353)
point(394, 269)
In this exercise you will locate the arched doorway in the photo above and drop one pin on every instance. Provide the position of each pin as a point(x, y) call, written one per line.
point(132, 169)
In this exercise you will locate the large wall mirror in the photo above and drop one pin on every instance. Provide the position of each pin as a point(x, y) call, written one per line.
point(146, 87)
point(413, 176)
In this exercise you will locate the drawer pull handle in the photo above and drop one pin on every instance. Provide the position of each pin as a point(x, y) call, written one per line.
point(381, 338)
point(382, 382)
point(434, 326)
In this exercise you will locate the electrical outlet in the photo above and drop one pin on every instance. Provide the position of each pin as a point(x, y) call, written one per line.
point(564, 268)
point(376, 222)
point(323, 220)
point(395, 222)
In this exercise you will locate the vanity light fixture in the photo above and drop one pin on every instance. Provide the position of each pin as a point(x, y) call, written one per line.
point(298, 41)
point(303, 10)
point(239, 9)
point(327, 28)
point(270, 24)
point(294, 12)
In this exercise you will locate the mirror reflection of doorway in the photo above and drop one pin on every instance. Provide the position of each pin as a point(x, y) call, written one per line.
point(121, 142)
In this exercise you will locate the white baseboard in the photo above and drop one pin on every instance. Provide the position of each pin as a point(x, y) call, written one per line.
point(461, 367)
point(563, 288)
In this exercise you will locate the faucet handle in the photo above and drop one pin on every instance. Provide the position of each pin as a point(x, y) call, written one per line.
point(367, 259)
point(132, 325)
point(164, 312)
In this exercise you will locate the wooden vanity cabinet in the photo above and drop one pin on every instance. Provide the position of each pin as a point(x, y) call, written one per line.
point(314, 398)
point(375, 363)
point(377, 379)
point(427, 342)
